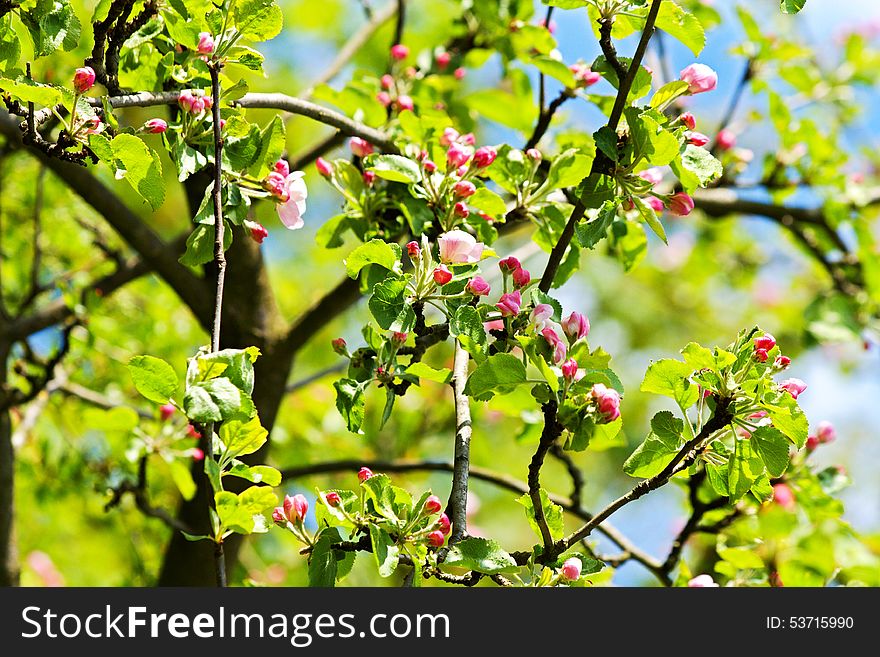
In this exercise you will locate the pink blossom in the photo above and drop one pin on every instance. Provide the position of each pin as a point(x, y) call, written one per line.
point(458, 155)
point(725, 140)
point(484, 157)
point(508, 264)
point(654, 175)
point(509, 304)
point(291, 209)
point(399, 52)
point(559, 347)
point(436, 538)
point(360, 147)
point(198, 454)
point(766, 341)
point(468, 139)
point(576, 326)
point(324, 167)
point(570, 370)
point(539, 316)
point(607, 401)
point(794, 387)
point(192, 432)
point(464, 189)
point(155, 126)
point(433, 504)
point(430, 167)
point(702, 582)
point(386, 81)
point(442, 275)
point(83, 79)
point(295, 508)
point(700, 78)
point(278, 516)
point(521, 277)
point(185, 100)
point(384, 98)
point(206, 43)
point(571, 569)
point(783, 496)
point(494, 325)
point(654, 203)
point(696, 138)
point(680, 204)
point(457, 246)
point(364, 474)
point(405, 102)
point(534, 154)
point(812, 443)
point(478, 286)
point(825, 432)
point(584, 76)
point(688, 119)
point(449, 137)
point(166, 411)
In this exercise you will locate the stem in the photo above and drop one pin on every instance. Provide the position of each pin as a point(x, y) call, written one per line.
point(220, 260)
point(551, 432)
point(461, 462)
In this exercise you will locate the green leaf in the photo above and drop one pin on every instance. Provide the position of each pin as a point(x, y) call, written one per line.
point(489, 202)
point(647, 213)
point(789, 419)
point(182, 478)
point(596, 189)
point(386, 553)
point(773, 448)
point(258, 474)
point(701, 358)
point(743, 469)
point(566, 170)
point(258, 20)
point(590, 233)
point(380, 492)
point(682, 25)
point(467, 326)
point(216, 400)
point(481, 555)
point(350, 403)
point(499, 373)
point(791, 6)
point(28, 91)
point(52, 24)
point(554, 69)
point(322, 564)
point(659, 448)
point(243, 513)
point(237, 365)
point(657, 145)
point(139, 164)
point(696, 167)
point(552, 514)
point(667, 93)
point(670, 378)
point(241, 438)
point(388, 305)
point(395, 168)
point(374, 252)
point(423, 371)
point(200, 245)
point(154, 378)
point(606, 141)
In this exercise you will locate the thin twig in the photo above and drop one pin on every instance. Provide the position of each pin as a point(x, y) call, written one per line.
point(552, 431)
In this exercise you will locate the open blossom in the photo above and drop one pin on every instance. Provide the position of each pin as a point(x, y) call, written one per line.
point(794, 387)
point(509, 304)
point(457, 246)
point(571, 569)
point(654, 175)
point(783, 496)
point(206, 43)
point(559, 347)
point(576, 326)
point(360, 147)
point(539, 316)
point(478, 286)
point(83, 79)
point(702, 582)
point(292, 193)
point(700, 78)
point(607, 401)
point(681, 204)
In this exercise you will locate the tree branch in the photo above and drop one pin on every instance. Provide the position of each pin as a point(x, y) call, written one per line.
point(461, 464)
point(138, 490)
point(552, 431)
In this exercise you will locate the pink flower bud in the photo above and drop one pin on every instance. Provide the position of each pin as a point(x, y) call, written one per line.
point(222, 124)
point(794, 387)
point(198, 454)
point(295, 508)
point(765, 341)
point(429, 165)
point(459, 73)
point(444, 524)
point(700, 78)
point(576, 326)
point(387, 81)
point(209, 102)
point(458, 155)
point(185, 100)
point(384, 98)
point(688, 119)
point(725, 140)
point(413, 250)
point(696, 138)
point(339, 346)
point(468, 139)
point(256, 231)
point(782, 362)
point(405, 102)
point(484, 157)
point(433, 504)
point(654, 203)
point(464, 188)
point(442, 275)
point(398, 338)
point(584, 76)
point(761, 355)
point(539, 316)
point(571, 569)
point(654, 175)
point(443, 59)
point(83, 79)
point(333, 498)
point(560, 349)
point(324, 167)
point(155, 126)
point(521, 277)
point(436, 539)
point(360, 147)
point(364, 474)
point(508, 264)
point(702, 582)
point(607, 401)
point(449, 137)
point(192, 432)
point(534, 154)
point(825, 432)
point(369, 178)
point(206, 43)
point(460, 171)
point(478, 286)
point(783, 496)
point(570, 369)
point(278, 516)
point(680, 204)
point(198, 104)
point(509, 304)
point(399, 52)
point(461, 210)
point(166, 411)
point(812, 443)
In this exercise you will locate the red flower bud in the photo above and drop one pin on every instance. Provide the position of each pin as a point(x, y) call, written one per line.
point(782, 362)
point(83, 79)
point(256, 231)
point(444, 524)
point(155, 126)
point(765, 341)
point(433, 504)
point(333, 498)
point(192, 432)
point(696, 138)
point(369, 178)
point(295, 508)
point(278, 516)
point(399, 52)
point(459, 73)
point(324, 167)
point(339, 346)
point(360, 147)
point(464, 188)
point(521, 277)
point(680, 204)
point(570, 369)
point(398, 338)
point(461, 210)
point(387, 81)
point(484, 157)
point(761, 355)
point(783, 496)
point(443, 59)
point(436, 539)
point(442, 275)
point(413, 250)
point(166, 411)
point(405, 102)
point(478, 286)
point(384, 98)
point(571, 569)
point(508, 264)
point(688, 119)
point(364, 474)
point(725, 140)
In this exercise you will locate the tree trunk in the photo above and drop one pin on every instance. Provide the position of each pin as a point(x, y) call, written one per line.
point(9, 571)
